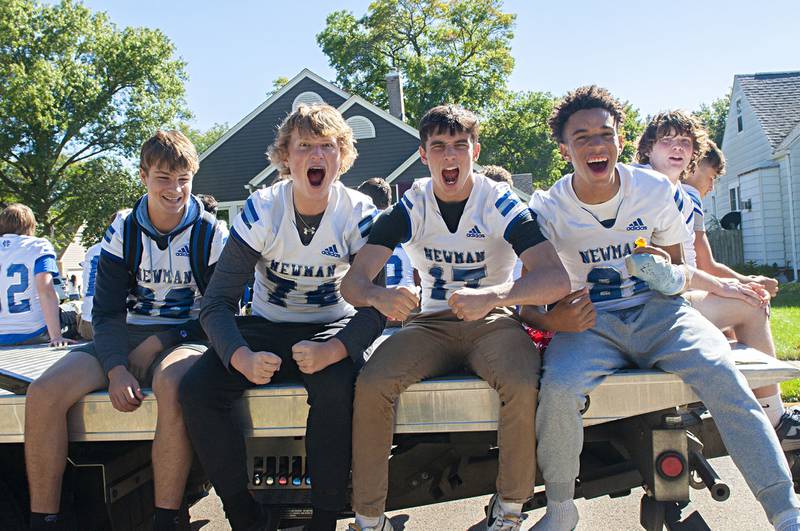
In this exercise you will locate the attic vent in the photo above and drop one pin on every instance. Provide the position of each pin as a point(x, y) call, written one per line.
point(309, 98)
point(362, 127)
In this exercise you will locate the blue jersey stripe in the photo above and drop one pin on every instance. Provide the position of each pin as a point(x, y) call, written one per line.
point(365, 225)
point(236, 236)
point(45, 264)
point(12, 339)
point(407, 202)
point(690, 218)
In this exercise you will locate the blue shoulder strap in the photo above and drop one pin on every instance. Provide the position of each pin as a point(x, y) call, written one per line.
point(132, 244)
point(200, 248)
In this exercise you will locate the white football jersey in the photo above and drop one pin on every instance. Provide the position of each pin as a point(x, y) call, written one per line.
point(21, 259)
point(299, 283)
point(476, 255)
point(594, 256)
point(686, 206)
point(166, 291)
point(89, 265)
point(399, 271)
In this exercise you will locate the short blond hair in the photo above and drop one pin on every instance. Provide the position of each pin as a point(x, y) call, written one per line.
point(17, 218)
point(321, 120)
point(171, 150)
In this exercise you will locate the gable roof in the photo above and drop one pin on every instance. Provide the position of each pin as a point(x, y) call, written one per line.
point(236, 162)
point(775, 99)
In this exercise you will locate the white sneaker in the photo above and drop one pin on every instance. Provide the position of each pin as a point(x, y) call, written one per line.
point(497, 521)
point(383, 525)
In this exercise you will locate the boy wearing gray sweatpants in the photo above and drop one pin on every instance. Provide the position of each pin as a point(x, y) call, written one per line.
point(633, 315)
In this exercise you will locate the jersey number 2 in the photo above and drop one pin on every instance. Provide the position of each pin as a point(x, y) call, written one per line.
point(20, 287)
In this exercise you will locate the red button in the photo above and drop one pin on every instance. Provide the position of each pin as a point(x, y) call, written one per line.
point(671, 466)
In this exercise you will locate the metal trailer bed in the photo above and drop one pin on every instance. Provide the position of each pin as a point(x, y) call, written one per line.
point(461, 403)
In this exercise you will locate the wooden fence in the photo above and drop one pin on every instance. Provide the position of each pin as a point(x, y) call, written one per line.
point(727, 246)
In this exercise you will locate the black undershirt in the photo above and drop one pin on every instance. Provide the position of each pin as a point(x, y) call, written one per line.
point(310, 222)
point(392, 226)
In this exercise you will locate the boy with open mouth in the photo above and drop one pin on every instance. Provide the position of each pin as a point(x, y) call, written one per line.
point(593, 218)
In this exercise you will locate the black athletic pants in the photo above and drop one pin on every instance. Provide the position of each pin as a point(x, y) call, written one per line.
point(209, 390)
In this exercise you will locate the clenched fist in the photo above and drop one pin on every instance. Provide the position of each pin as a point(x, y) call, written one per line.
point(258, 367)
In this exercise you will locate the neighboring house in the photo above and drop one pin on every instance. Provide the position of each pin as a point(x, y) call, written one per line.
point(762, 183)
point(69, 263)
point(236, 164)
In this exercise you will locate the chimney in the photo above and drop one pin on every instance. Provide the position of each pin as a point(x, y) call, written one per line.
point(394, 90)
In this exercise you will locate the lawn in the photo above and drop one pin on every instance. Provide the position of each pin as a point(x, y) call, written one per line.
point(785, 323)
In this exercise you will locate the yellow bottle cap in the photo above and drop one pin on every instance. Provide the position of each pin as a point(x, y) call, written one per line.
point(640, 242)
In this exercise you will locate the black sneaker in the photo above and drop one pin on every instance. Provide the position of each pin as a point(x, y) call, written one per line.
point(788, 430)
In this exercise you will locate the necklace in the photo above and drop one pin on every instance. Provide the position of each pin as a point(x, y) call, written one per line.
point(308, 229)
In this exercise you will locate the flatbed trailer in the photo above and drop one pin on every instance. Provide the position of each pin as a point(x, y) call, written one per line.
point(445, 444)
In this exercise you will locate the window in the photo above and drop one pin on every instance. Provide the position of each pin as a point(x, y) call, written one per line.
point(362, 127)
point(739, 125)
point(309, 98)
point(735, 197)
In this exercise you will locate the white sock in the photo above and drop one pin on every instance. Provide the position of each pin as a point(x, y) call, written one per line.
point(367, 521)
point(788, 520)
point(773, 407)
point(510, 508)
point(559, 516)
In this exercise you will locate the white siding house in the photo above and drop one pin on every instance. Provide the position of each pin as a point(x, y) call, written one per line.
point(762, 148)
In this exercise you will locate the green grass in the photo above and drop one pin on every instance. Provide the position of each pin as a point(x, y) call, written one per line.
point(785, 323)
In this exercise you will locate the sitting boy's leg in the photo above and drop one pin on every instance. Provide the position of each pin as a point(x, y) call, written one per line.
point(751, 325)
point(426, 347)
point(575, 363)
point(694, 349)
point(48, 399)
point(328, 436)
point(206, 395)
point(172, 452)
point(506, 358)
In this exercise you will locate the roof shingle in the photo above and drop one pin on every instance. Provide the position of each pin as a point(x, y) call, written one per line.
point(775, 98)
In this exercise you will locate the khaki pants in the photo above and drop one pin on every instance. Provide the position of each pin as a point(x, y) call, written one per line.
point(496, 348)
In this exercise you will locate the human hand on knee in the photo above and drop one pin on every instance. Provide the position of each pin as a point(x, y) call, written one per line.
point(123, 390)
point(313, 356)
point(258, 367)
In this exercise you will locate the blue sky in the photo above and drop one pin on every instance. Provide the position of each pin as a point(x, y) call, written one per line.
point(657, 54)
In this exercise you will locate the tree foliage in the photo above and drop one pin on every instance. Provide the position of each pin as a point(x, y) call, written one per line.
point(77, 92)
point(714, 117)
point(632, 129)
point(203, 140)
point(516, 136)
point(456, 51)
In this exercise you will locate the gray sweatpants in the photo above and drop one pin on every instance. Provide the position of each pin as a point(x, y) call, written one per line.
point(668, 334)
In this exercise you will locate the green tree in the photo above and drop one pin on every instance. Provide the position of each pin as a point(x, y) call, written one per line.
point(277, 84)
point(632, 129)
point(455, 51)
point(203, 140)
point(517, 137)
point(76, 87)
point(714, 117)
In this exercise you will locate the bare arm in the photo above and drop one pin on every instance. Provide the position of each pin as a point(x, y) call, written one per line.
point(546, 282)
point(48, 301)
point(359, 290)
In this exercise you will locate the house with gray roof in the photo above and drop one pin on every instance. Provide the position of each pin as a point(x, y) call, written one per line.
point(236, 165)
point(762, 182)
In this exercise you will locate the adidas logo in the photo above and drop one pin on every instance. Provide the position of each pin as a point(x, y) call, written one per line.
point(331, 251)
point(637, 225)
point(475, 232)
point(183, 251)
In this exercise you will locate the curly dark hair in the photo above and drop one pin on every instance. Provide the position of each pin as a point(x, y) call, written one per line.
point(675, 122)
point(582, 98)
